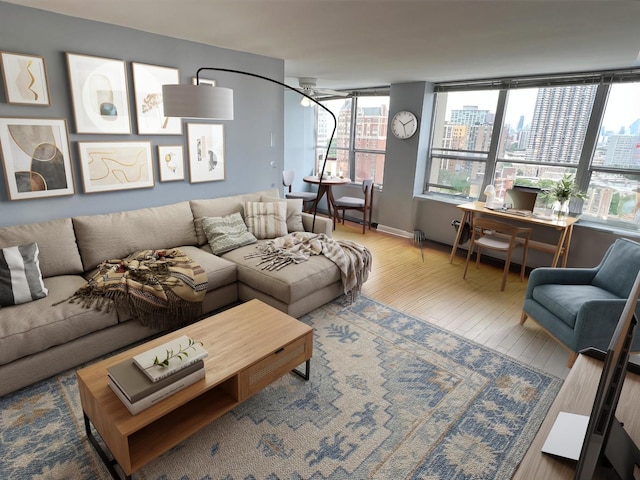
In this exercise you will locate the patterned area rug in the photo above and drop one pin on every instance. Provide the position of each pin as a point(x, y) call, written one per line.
point(390, 397)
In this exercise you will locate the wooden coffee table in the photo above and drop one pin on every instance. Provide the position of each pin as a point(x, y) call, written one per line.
point(249, 346)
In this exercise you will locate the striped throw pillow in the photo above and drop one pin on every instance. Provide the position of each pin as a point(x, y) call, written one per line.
point(226, 233)
point(20, 277)
point(266, 219)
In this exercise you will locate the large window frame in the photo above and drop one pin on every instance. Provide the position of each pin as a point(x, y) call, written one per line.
point(585, 168)
point(353, 159)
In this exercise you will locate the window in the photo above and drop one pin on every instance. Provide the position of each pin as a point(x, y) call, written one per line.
point(532, 131)
point(360, 155)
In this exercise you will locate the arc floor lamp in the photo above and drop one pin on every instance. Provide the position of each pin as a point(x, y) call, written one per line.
point(216, 103)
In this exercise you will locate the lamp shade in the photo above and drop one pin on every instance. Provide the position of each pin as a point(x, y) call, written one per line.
point(198, 101)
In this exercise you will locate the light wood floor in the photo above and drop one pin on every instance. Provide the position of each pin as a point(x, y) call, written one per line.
point(434, 291)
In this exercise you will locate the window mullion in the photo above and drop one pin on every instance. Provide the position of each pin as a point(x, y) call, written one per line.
point(583, 174)
point(496, 136)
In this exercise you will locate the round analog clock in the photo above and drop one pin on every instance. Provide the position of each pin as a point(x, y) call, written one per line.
point(404, 124)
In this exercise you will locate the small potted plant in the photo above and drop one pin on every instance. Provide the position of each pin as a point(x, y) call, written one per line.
point(564, 190)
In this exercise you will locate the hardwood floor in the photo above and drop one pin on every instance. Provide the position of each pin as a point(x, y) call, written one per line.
point(434, 291)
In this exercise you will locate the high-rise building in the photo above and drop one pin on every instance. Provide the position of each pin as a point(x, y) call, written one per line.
point(559, 124)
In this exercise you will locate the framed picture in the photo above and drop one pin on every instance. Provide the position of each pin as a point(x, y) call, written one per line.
point(206, 152)
point(25, 79)
point(108, 166)
point(147, 87)
point(99, 94)
point(170, 162)
point(36, 157)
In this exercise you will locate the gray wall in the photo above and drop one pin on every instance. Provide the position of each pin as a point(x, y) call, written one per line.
point(254, 140)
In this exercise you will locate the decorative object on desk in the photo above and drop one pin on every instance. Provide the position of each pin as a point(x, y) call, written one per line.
point(206, 152)
point(25, 79)
point(564, 190)
point(36, 157)
point(168, 358)
point(213, 102)
point(421, 403)
point(490, 192)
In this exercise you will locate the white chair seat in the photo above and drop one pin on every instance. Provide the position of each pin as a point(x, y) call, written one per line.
point(498, 242)
point(350, 202)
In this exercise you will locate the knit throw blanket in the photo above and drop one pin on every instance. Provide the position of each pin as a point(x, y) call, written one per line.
point(163, 289)
point(353, 260)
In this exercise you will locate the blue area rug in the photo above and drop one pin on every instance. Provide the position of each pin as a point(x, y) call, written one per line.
point(390, 397)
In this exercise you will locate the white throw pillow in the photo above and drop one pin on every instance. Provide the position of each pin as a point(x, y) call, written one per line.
point(266, 219)
point(294, 212)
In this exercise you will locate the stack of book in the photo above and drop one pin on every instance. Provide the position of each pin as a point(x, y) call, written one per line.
point(144, 380)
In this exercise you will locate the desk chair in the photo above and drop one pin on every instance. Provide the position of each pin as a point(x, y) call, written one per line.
point(307, 197)
point(503, 237)
point(364, 205)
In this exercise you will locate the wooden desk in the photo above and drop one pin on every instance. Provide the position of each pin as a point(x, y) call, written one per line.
point(577, 396)
point(564, 226)
point(326, 188)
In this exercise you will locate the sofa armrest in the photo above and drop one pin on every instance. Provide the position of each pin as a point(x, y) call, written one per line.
point(323, 224)
point(561, 276)
point(597, 320)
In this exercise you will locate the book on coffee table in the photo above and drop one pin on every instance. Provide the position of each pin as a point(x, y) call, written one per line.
point(176, 355)
point(135, 385)
point(150, 400)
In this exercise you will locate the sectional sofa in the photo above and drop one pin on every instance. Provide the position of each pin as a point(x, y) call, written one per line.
point(43, 337)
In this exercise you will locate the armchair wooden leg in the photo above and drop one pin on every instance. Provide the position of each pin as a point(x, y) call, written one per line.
point(523, 318)
point(573, 356)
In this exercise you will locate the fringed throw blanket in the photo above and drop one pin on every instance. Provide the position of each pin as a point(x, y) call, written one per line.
point(161, 288)
point(353, 260)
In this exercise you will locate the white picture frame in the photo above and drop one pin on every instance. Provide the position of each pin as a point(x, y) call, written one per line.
point(25, 79)
point(99, 94)
point(170, 162)
point(147, 87)
point(206, 152)
point(109, 166)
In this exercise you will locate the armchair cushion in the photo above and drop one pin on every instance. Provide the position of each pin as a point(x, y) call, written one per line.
point(565, 301)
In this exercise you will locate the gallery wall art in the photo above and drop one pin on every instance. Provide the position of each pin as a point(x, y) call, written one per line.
point(170, 162)
point(99, 94)
point(25, 79)
point(36, 157)
point(109, 166)
point(147, 86)
point(206, 152)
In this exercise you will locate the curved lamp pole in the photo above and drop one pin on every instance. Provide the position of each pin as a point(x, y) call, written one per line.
point(198, 101)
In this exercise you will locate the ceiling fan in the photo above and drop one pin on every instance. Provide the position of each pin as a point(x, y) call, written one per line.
point(309, 86)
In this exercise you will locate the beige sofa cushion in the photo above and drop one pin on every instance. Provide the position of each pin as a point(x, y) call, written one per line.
point(116, 235)
point(294, 212)
point(288, 284)
point(58, 251)
point(25, 329)
point(219, 271)
point(221, 207)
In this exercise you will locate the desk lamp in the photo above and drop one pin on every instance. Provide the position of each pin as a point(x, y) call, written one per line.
point(216, 103)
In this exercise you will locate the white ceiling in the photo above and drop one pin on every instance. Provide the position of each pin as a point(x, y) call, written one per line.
point(364, 43)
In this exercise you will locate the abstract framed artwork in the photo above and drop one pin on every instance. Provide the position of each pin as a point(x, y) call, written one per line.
point(147, 87)
point(170, 162)
point(206, 152)
point(109, 166)
point(194, 80)
point(25, 79)
point(99, 94)
point(36, 157)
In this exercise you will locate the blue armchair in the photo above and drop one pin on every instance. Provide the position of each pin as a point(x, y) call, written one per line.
point(580, 307)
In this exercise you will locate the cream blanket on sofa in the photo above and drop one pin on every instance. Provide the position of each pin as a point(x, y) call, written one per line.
point(353, 260)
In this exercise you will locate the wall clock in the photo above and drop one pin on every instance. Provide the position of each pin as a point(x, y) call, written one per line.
point(404, 124)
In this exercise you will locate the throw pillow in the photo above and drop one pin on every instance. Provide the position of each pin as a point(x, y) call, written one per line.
point(266, 219)
point(294, 212)
point(20, 276)
point(226, 233)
